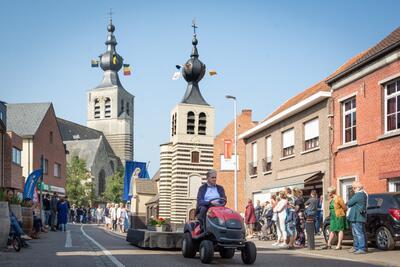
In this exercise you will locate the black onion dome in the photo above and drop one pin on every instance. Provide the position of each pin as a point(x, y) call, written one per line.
point(193, 71)
point(110, 60)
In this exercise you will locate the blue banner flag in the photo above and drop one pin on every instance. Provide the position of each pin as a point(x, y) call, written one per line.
point(31, 182)
point(133, 170)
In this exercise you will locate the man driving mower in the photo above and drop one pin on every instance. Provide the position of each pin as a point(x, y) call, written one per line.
point(208, 191)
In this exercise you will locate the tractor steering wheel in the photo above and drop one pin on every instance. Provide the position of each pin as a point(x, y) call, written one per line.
point(221, 200)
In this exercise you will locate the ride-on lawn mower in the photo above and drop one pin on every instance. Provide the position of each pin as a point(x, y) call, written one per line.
point(223, 231)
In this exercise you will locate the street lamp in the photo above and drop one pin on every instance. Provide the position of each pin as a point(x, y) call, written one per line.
point(235, 147)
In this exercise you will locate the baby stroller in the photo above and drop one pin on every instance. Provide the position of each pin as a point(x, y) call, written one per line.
point(268, 227)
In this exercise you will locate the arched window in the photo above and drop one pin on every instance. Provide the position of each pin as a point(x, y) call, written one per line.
point(127, 108)
point(122, 105)
point(190, 123)
point(202, 124)
point(195, 157)
point(102, 182)
point(193, 186)
point(112, 165)
point(97, 108)
point(107, 108)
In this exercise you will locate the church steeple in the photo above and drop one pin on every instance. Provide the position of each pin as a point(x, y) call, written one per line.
point(193, 72)
point(110, 61)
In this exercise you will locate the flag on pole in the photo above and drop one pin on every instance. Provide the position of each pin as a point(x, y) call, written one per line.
point(176, 75)
point(212, 72)
point(31, 182)
point(127, 70)
point(227, 148)
point(95, 63)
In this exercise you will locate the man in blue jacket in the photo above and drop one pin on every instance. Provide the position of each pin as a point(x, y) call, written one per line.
point(207, 192)
point(357, 215)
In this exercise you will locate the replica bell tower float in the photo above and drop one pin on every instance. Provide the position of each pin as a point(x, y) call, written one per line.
point(185, 159)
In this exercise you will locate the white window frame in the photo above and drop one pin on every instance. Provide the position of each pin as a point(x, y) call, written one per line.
point(293, 142)
point(16, 155)
point(344, 182)
point(254, 156)
point(386, 97)
point(316, 137)
point(344, 113)
point(392, 184)
point(57, 170)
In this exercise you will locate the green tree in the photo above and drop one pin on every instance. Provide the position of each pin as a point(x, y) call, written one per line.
point(79, 182)
point(114, 187)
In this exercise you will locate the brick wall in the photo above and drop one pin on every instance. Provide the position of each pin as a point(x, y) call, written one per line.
point(54, 152)
point(226, 178)
point(372, 156)
point(12, 171)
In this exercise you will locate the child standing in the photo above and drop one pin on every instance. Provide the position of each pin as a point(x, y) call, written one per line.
point(290, 223)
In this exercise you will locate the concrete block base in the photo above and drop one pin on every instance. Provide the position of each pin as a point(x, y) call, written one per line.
point(150, 239)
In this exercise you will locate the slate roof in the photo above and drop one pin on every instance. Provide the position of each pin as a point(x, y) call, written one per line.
point(25, 119)
point(146, 186)
point(70, 131)
point(387, 45)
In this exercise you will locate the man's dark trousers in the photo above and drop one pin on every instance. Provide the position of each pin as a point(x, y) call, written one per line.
point(201, 215)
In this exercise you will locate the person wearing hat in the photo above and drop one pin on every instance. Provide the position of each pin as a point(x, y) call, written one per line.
point(207, 192)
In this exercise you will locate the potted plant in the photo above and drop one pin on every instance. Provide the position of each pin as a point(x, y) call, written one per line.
point(157, 224)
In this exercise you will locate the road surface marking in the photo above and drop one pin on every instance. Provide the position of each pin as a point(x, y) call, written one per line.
point(68, 240)
point(105, 251)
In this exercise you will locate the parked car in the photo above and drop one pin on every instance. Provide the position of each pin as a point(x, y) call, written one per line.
point(383, 221)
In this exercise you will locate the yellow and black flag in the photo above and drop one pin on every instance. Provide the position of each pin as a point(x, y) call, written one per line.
point(95, 63)
point(127, 70)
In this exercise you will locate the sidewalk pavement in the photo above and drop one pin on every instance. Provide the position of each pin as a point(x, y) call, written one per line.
point(374, 255)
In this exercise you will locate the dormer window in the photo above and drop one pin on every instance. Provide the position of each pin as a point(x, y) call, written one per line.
point(107, 108)
point(97, 108)
point(202, 124)
point(190, 123)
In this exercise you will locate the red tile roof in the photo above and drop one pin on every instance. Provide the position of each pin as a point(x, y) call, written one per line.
point(385, 46)
point(321, 86)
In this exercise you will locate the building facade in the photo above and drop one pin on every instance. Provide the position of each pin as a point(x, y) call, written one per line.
point(290, 148)
point(12, 162)
point(366, 99)
point(37, 124)
point(91, 146)
point(223, 146)
point(110, 108)
point(185, 160)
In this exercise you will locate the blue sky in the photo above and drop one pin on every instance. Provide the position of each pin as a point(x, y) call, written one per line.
point(264, 52)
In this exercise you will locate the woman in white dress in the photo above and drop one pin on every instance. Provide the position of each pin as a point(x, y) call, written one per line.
point(280, 208)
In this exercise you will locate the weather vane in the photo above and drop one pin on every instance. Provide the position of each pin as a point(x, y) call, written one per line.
point(194, 26)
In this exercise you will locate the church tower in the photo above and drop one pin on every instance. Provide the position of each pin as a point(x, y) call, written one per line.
point(185, 160)
point(109, 106)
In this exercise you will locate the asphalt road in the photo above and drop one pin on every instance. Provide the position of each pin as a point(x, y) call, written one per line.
point(91, 245)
